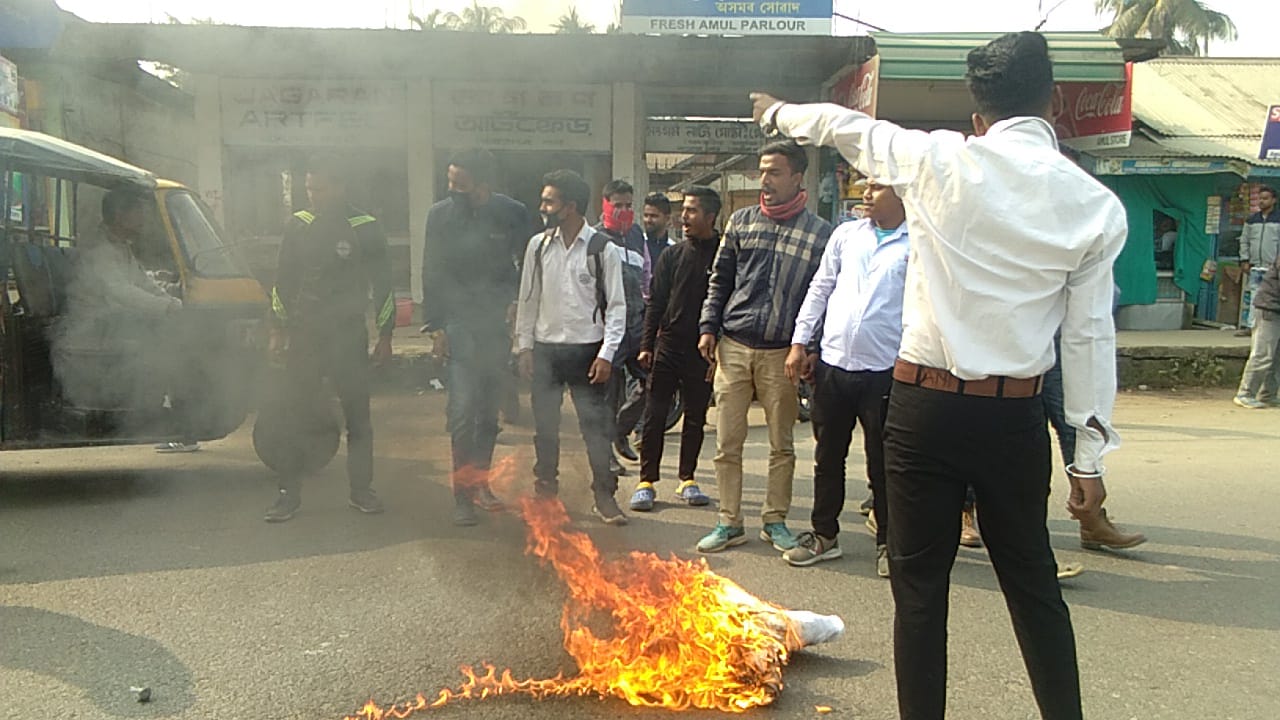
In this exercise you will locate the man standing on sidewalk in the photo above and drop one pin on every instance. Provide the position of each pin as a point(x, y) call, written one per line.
point(1259, 246)
point(767, 257)
point(1262, 371)
point(469, 281)
point(1010, 240)
point(857, 298)
point(570, 318)
point(669, 349)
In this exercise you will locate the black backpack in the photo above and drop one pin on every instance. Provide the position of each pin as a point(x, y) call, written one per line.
point(596, 245)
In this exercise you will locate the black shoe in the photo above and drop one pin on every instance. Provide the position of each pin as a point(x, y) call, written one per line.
point(545, 490)
point(867, 505)
point(285, 507)
point(616, 468)
point(622, 446)
point(487, 501)
point(464, 513)
point(366, 502)
point(606, 508)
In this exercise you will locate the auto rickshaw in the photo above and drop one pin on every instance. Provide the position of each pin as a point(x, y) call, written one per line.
point(188, 377)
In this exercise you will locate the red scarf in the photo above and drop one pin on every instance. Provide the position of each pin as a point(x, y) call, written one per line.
point(618, 221)
point(783, 213)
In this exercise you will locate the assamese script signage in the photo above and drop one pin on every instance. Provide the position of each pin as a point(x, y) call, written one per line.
point(718, 17)
point(517, 116)
point(313, 113)
point(702, 136)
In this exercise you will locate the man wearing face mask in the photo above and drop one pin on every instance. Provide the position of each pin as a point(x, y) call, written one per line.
point(617, 221)
point(469, 281)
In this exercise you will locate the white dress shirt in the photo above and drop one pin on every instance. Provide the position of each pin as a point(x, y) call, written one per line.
point(1010, 240)
point(561, 306)
point(858, 290)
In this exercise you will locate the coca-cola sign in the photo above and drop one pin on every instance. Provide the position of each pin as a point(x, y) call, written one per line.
point(858, 88)
point(1094, 116)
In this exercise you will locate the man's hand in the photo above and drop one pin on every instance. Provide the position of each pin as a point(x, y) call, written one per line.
point(277, 343)
point(760, 104)
point(1087, 495)
point(524, 364)
point(600, 371)
point(707, 348)
point(382, 351)
point(645, 358)
point(798, 365)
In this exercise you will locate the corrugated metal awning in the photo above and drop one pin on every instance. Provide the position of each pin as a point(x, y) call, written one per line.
point(1206, 97)
point(1077, 56)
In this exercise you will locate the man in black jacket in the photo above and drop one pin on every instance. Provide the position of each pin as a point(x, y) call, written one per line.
point(331, 256)
point(669, 348)
point(469, 281)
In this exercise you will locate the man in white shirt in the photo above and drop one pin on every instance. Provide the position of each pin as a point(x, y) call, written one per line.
point(856, 299)
point(1010, 240)
point(570, 319)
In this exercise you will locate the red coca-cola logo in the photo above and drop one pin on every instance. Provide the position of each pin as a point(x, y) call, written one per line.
point(864, 96)
point(1099, 102)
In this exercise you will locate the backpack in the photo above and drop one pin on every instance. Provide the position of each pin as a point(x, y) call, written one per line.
point(631, 281)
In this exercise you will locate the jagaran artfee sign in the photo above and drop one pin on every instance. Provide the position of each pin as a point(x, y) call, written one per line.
point(695, 136)
point(517, 116)
point(723, 17)
point(313, 113)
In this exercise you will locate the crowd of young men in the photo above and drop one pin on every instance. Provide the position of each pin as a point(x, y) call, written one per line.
point(968, 309)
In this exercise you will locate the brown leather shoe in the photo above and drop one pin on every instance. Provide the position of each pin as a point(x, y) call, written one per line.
point(1097, 533)
point(969, 535)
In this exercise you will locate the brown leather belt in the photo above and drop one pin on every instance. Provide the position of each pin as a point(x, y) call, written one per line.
point(995, 386)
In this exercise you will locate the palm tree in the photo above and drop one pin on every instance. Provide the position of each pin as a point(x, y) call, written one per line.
point(433, 20)
point(570, 23)
point(1186, 26)
point(479, 18)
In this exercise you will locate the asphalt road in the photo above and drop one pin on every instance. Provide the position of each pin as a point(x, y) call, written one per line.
point(120, 567)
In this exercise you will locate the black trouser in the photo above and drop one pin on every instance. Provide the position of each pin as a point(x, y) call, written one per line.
point(935, 443)
point(686, 370)
point(842, 399)
point(626, 395)
point(554, 368)
point(478, 363)
point(340, 353)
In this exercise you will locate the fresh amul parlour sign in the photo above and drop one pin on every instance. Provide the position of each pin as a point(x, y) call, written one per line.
point(721, 17)
point(1094, 116)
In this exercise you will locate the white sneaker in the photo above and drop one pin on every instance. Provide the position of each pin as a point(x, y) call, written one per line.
point(1247, 402)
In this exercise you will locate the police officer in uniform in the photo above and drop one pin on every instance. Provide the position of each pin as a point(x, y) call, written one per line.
point(330, 258)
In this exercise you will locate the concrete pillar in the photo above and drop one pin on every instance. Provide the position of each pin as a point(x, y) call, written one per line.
point(421, 160)
point(629, 128)
point(813, 178)
point(208, 140)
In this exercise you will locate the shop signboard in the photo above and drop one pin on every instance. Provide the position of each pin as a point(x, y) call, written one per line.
point(1094, 116)
point(1271, 135)
point(313, 113)
point(859, 88)
point(697, 137)
point(717, 17)
point(520, 116)
point(9, 98)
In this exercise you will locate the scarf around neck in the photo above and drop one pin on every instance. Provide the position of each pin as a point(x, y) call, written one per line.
point(786, 211)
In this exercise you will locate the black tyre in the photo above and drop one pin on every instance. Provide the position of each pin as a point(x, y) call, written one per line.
point(804, 394)
point(677, 412)
point(296, 441)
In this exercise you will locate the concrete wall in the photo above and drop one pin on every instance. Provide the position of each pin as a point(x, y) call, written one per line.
point(127, 114)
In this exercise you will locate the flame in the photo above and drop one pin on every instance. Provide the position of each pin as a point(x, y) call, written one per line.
point(681, 636)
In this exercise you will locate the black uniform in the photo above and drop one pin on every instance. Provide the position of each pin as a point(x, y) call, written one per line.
point(680, 280)
point(469, 279)
point(327, 266)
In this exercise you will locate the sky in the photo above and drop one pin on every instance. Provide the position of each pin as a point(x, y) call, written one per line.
point(1252, 17)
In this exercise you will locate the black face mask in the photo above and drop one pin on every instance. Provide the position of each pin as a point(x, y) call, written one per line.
point(551, 221)
point(460, 197)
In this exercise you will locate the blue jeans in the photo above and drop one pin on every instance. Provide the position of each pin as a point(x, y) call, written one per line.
point(1055, 409)
point(478, 358)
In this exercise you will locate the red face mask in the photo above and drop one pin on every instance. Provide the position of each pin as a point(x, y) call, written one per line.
point(616, 220)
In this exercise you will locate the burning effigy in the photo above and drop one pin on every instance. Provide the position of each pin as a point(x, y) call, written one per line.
point(681, 636)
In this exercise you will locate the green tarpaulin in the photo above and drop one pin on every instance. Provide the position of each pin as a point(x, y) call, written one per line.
point(1181, 197)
